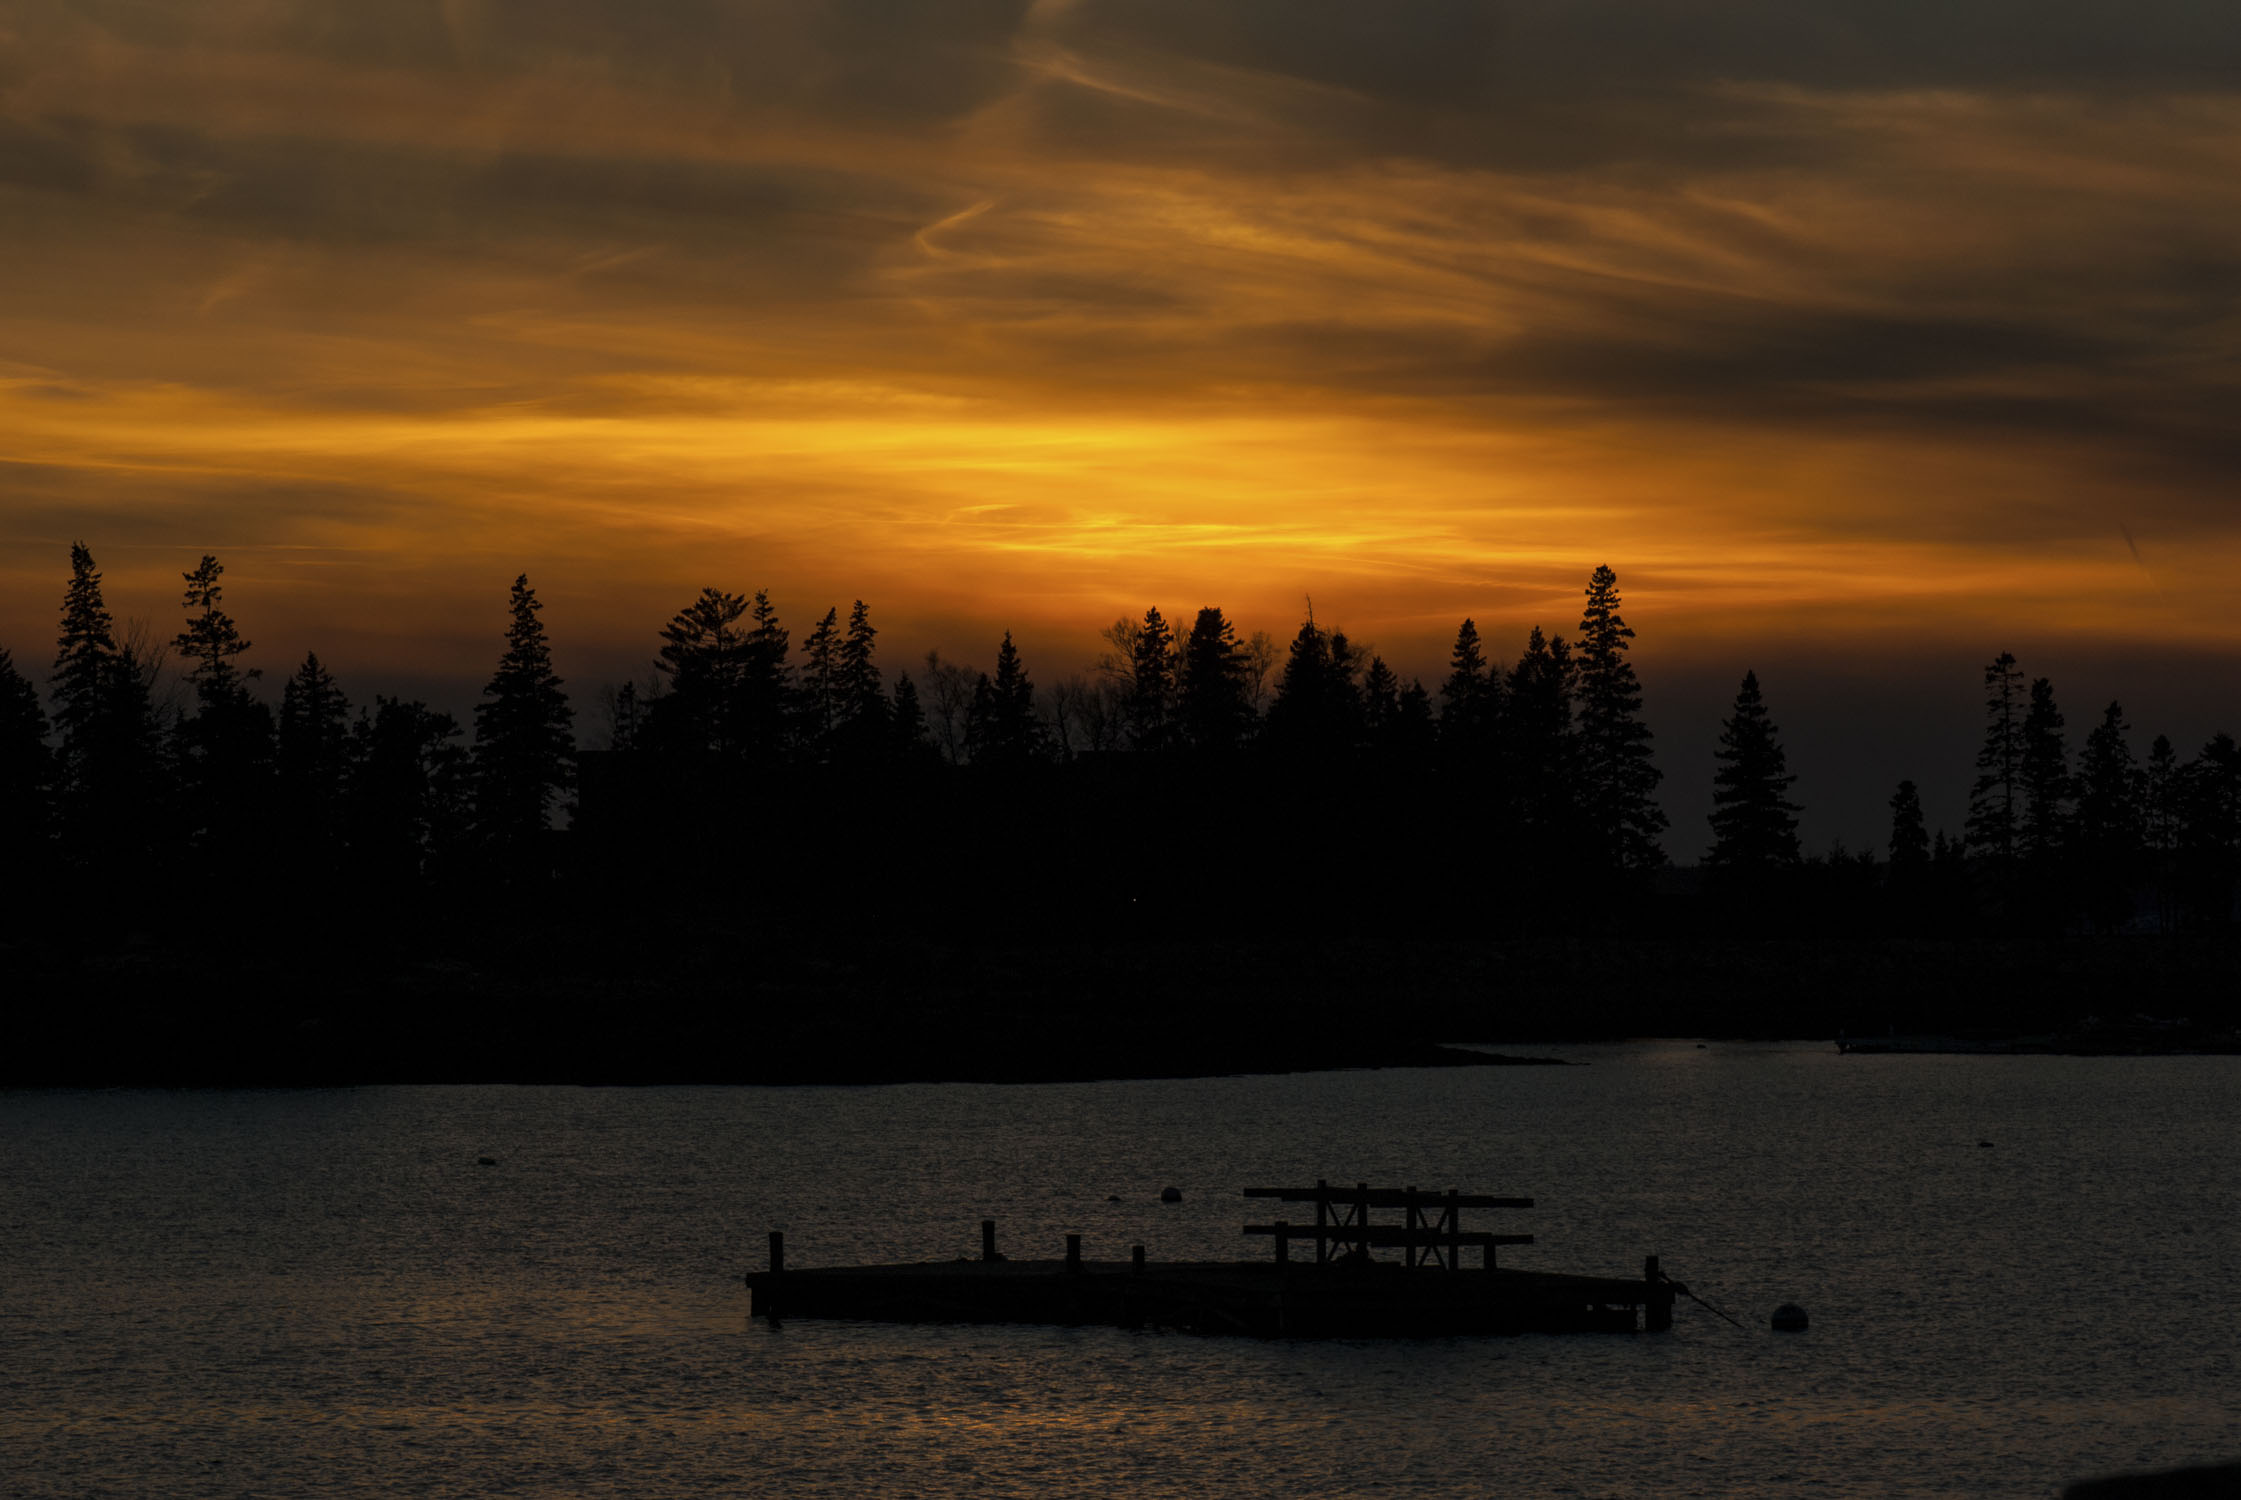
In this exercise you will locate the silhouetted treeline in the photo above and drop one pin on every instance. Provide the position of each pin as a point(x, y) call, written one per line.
point(759, 800)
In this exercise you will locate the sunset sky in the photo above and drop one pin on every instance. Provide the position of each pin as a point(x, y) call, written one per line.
point(1863, 338)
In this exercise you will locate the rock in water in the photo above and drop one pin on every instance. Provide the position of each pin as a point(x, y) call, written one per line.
point(1789, 1318)
point(1170, 1195)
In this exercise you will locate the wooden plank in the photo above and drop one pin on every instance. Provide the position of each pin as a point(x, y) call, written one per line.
point(1386, 1197)
point(1384, 1236)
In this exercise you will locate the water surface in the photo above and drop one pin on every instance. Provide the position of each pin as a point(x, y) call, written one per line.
point(290, 1293)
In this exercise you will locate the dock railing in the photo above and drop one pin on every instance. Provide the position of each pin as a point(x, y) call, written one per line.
point(1430, 1233)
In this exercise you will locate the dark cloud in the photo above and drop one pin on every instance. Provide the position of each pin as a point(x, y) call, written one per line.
point(901, 61)
point(1474, 53)
point(1558, 86)
point(799, 225)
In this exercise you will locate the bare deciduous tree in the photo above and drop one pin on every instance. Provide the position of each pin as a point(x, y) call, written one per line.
point(949, 700)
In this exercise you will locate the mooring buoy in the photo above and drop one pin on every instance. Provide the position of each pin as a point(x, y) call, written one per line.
point(486, 1161)
point(1170, 1195)
point(1789, 1318)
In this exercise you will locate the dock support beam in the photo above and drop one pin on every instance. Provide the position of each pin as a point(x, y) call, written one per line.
point(988, 1239)
point(1074, 1254)
point(1657, 1304)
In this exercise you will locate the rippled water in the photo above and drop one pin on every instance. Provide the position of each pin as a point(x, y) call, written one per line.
point(289, 1293)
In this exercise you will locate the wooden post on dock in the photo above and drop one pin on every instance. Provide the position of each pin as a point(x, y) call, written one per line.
point(1657, 1309)
point(1322, 1220)
point(988, 1239)
point(1074, 1255)
point(777, 1270)
point(1136, 1260)
point(1283, 1245)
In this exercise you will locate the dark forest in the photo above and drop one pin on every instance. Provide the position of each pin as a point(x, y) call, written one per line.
point(782, 859)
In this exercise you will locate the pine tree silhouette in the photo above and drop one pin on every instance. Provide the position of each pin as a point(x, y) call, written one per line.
point(704, 659)
point(210, 640)
point(226, 748)
point(1215, 697)
point(818, 705)
point(85, 664)
point(1470, 702)
point(1994, 811)
point(863, 696)
point(1151, 684)
point(1618, 779)
point(112, 775)
point(1910, 840)
point(524, 748)
point(1002, 731)
point(1540, 782)
point(2043, 773)
point(2110, 831)
point(1754, 824)
point(26, 774)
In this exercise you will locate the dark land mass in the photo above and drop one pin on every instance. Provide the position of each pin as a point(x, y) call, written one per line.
point(576, 1005)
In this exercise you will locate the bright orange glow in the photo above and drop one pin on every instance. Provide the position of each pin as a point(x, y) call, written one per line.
point(1071, 316)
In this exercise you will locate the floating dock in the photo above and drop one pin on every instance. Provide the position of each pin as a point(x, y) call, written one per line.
point(1344, 1291)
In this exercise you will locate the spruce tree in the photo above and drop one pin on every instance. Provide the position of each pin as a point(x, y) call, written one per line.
point(111, 774)
point(2210, 834)
point(1754, 824)
point(1910, 840)
point(85, 665)
point(314, 738)
point(819, 703)
point(863, 696)
point(2044, 777)
point(1470, 700)
point(524, 747)
point(906, 724)
point(1151, 683)
point(626, 719)
point(703, 658)
point(765, 684)
point(2110, 832)
point(1414, 733)
point(1617, 778)
point(26, 772)
point(2163, 821)
point(1214, 693)
point(1318, 709)
point(1995, 799)
point(410, 793)
point(210, 640)
point(1002, 730)
point(1381, 704)
point(1539, 782)
point(226, 749)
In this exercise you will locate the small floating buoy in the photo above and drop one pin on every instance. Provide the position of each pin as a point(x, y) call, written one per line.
point(486, 1161)
point(1170, 1195)
point(1789, 1318)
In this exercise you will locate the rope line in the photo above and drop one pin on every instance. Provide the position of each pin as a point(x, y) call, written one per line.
point(1699, 1301)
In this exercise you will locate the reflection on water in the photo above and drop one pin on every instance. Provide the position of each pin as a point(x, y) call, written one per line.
point(270, 1293)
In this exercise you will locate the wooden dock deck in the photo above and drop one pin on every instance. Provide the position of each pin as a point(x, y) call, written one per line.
point(1343, 1293)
